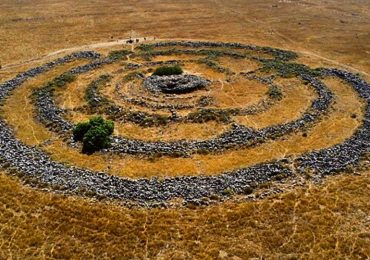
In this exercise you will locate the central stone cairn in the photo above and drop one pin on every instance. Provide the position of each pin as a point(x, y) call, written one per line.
point(175, 84)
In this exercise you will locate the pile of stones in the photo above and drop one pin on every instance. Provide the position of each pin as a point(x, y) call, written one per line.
point(203, 101)
point(153, 102)
point(277, 53)
point(49, 114)
point(175, 84)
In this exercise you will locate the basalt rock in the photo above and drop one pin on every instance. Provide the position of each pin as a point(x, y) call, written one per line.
point(39, 169)
point(175, 84)
point(237, 136)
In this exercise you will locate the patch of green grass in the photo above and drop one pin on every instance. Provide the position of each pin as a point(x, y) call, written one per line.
point(205, 115)
point(168, 70)
point(214, 65)
point(146, 48)
point(288, 70)
point(91, 92)
point(274, 92)
point(60, 81)
point(280, 55)
point(119, 54)
point(130, 76)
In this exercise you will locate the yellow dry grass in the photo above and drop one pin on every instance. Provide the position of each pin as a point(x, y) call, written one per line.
point(318, 222)
point(185, 57)
point(297, 99)
point(169, 132)
point(328, 221)
point(239, 93)
point(306, 26)
point(204, 70)
point(72, 95)
point(23, 123)
point(238, 65)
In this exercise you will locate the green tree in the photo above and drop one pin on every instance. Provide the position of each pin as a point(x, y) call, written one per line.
point(94, 134)
point(80, 130)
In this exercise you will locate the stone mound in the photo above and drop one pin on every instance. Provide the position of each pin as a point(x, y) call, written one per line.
point(175, 84)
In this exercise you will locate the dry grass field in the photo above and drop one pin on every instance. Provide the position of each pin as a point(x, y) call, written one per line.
point(316, 222)
point(304, 220)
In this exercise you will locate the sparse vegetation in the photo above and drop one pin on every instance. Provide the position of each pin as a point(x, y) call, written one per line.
point(210, 62)
point(94, 134)
point(323, 226)
point(274, 92)
point(92, 92)
point(60, 81)
point(146, 48)
point(288, 69)
point(168, 70)
point(280, 55)
point(146, 120)
point(130, 76)
point(119, 54)
point(326, 221)
point(204, 115)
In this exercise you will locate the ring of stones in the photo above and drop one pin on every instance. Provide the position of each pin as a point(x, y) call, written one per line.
point(31, 163)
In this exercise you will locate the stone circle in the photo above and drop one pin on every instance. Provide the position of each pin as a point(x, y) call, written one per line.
point(37, 168)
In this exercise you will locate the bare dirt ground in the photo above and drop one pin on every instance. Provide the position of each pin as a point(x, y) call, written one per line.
point(321, 221)
point(328, 29)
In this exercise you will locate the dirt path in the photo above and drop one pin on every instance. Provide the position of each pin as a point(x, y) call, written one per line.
point(150, 38)
point(335, 62)
point(80, 48)
point(100, 45)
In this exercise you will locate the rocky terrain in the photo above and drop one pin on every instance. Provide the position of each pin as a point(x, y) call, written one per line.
point(31, 163)
point(293, 190)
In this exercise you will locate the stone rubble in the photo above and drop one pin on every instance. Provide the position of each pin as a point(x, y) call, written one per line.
point(37, 167)
point(175, 84)
point(237, 136)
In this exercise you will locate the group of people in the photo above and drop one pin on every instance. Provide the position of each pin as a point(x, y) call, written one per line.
point(137, 40)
